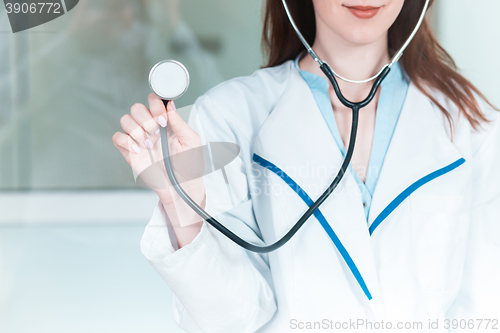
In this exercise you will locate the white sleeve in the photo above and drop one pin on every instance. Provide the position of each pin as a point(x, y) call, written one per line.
point(479, 296)
point(158, 239)
point(218, 286)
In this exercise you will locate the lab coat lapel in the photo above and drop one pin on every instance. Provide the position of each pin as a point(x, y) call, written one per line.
point(419, 147)
point(296, 137)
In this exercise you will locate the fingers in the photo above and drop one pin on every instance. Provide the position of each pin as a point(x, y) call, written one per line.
point(143, 117)
point(139, 159)
point(177, 124)
point(137, 133)
point(158, 109)
point(125, 153)
point(125, 145)
point(180, 127)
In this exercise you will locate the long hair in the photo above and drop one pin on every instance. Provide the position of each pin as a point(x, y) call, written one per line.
point(425, 61)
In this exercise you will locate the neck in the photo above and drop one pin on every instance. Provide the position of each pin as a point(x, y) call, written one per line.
point(354, 62)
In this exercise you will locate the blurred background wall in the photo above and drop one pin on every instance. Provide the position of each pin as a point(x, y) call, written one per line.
point(470, 32)
point(71, 216)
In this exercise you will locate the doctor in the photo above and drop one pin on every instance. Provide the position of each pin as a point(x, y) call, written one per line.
point(411, 237)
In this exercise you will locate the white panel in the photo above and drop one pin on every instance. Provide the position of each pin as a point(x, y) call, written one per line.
point(60, 207)
point(470, 31)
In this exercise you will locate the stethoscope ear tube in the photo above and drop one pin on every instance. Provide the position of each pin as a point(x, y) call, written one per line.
point(395, 58)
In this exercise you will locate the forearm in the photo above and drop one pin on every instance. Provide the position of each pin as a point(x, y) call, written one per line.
point(185, 223)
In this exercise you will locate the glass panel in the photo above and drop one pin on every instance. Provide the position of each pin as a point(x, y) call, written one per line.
point(65, 84)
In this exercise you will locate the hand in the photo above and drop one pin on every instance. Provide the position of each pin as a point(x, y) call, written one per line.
point(140, 145)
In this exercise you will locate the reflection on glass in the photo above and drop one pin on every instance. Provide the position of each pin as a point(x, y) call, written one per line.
point(64, 85)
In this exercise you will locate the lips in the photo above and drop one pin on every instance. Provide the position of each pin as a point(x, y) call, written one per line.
point(363, 12)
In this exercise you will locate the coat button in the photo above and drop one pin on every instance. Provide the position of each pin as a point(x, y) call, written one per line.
point(364, 204)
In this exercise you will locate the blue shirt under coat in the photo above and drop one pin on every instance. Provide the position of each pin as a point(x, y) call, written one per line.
point(392, 96)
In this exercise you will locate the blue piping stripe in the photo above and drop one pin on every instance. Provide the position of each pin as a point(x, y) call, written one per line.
point(319, 216)
point(412, 188)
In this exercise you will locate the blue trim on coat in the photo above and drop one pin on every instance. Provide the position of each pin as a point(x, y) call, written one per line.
point(412, 188)
point(319, 216)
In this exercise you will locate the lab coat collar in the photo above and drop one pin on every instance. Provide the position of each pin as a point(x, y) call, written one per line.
point(420, 151)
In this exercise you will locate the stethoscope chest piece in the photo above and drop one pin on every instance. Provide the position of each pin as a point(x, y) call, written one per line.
point(169, 79)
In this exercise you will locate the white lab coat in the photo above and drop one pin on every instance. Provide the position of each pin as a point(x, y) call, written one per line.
point(435, 251)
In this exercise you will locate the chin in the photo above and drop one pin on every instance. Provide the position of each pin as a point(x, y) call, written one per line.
point(363, 35)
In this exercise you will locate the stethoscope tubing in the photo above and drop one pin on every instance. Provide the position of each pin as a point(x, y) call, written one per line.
point(340, 175)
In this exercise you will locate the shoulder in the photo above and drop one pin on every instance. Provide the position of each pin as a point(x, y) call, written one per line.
point(247, 100)
point(488, 131)
point(463, 132)
point(480, 146)
point(263, 82)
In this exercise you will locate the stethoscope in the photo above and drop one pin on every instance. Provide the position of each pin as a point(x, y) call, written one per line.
point(169, 80)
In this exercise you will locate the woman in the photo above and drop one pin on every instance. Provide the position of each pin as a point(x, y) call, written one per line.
point(409, 240)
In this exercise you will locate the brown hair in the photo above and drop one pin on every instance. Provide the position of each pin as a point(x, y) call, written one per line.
point(425, 61)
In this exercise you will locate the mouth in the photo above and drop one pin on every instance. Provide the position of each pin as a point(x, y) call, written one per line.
point(363, 12)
